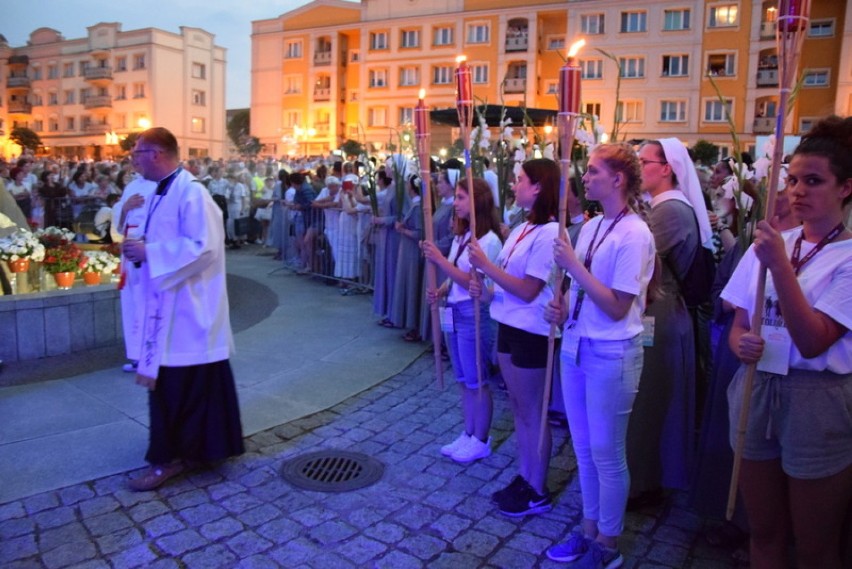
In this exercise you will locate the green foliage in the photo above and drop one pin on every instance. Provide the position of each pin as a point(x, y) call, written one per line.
point(705, 152)
point(129, 141)
point(25, 138)
point(240, 133)
point(352, 148)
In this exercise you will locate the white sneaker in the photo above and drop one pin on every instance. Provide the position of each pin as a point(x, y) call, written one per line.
point(448, 450)
point(472, 449)
point(130, 368)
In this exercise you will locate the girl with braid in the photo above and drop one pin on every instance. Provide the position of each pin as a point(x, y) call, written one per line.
point(602, 353)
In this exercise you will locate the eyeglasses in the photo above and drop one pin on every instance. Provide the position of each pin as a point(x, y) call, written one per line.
point(643, 162)
point(141, 150)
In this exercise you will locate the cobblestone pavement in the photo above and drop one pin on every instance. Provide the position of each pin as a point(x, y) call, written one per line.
point(427, 511)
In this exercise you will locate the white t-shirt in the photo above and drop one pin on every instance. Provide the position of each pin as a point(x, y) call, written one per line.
point(826, 281)
point(527, 251)
point(625, 262)
point(490, 244)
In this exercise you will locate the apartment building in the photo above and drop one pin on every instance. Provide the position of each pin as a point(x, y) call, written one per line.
point(334, 70)
point(82, 96)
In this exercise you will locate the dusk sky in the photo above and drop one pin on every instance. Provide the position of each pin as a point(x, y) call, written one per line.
point(229, 20)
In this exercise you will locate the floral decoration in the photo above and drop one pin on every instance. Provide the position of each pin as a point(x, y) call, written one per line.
point(67, 258)
point(21, 245)
point(100, 262)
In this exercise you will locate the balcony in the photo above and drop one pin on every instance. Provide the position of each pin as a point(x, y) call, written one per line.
point(18, 81)
point(764, 125)
point(20, 108)
point(322, 94)
point(515, 85)
point(322, 128)
point(19, 60)
point(99, 102)
point(96, 128)
point(322, 58)
point(519, 42)
point(767, 30)
point(98, 74)
point(767, 77)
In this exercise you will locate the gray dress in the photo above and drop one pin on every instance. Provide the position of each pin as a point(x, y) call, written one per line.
point(387, 248)
point(662, 424)
point(405, 307)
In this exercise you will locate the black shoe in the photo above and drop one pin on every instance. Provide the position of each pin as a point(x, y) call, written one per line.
point(517, 484)
point(647, 499)
point(525, 503)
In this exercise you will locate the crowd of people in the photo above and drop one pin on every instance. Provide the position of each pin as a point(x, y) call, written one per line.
point(650, 371)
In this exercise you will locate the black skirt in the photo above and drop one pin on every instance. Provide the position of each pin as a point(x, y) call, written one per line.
point(194, 414)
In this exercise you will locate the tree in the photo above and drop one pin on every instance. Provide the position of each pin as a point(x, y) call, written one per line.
point(239, 131)
point(352, 148)
point(705, 152)
point(128, 142)
point(25, 138)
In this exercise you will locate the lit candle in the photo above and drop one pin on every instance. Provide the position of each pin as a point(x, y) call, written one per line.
point(792, 15)
point(569, 81)
point(421, 116)
point(464, 84)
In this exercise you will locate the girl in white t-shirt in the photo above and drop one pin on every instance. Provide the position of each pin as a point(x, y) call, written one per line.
point(473, 443)
point(797, 457)
point(602, 351)
point(522, 288)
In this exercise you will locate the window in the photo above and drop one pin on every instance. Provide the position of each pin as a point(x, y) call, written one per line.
point(120, 120)
point(443, 36)
point(378, 78)
point(442, 75)
point(354, 56)
point(199, 71)
point(292, 84)
point(816, 78)
point(722, 64)
point(632, 22)
point(199, 98)
point(38, 125)
point(84, 66)
point(53, 72)
point(409, 76)
point(120, 92)
point(479, 73)
point(293, 50)
point(292, 118)
point(716, 111)
point(672, 111)
point(139, 61)
point(591, 68)
point(556, 42)
point(821, 29)
point(379, 40)
point(376, 116)
point(69, 97)
point(139, 90)
point(593, 109)
point(37, 101)
point(53, 98)
point(406, 115)
point(630, 111)
point(36, 73)
point(197, 125)
point(675, 20)
point(69, 123)
point(675, 65)
point(478, 33)
point(84, 95)
point(723, 16)
point(409, 38)
point(121, 63)
point(632, 67)
point(68, 70)
point(551, 87)
point(592, 24)
point(53, 125)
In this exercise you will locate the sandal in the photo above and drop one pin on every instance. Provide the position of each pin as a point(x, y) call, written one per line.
point(412, 336)
point(386, 323)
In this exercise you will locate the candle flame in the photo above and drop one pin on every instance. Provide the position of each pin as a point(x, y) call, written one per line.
point(461, 58)
point(422, 94)
point(575, 48)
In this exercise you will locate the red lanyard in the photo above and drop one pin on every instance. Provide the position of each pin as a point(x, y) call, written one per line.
point(526, 231)
point(590, 253)
point(797, 248)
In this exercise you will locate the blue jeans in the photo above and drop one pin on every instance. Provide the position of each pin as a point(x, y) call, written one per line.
point(599, 388)
point(462, 342)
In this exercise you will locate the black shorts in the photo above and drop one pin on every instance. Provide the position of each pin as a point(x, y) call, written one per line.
point(527, 350)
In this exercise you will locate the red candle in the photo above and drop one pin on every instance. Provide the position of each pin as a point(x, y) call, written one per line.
point(569, 82)
point(792, 15)
point(421, 116)
point(464, 84)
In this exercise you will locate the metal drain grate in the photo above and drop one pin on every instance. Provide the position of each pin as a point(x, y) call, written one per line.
point(332, 471)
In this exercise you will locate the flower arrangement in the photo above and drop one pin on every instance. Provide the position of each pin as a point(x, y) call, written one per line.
point(55, 236)
point(100, 262)
point(67, 258)
point(21, 245)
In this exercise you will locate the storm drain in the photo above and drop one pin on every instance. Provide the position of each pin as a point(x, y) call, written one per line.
point(332, 471)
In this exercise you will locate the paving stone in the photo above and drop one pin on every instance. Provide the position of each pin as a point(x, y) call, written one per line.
point(454, 560)
point(270, 490)
point(181, 542)
point(417, 516)
point(220, 528)
point(398, 560)
point(40, 502)
point(248, 543)
point(669, 555)
point(498, 527)
point(54, 518)
point(212, 557)
point(332, 532)
point(477, 543)
point(147, 510)
point(295, 552)
point(68, 533)
point(313, 516)
point(240, 503)
point(260, 515)
point(17, 548)
point(257, 562)
point(507, 557)
point(449, 526)
point(137, 556)
point(108, 523)
point(119, 541)
point(188, 499)
point(224, 489)
point(162, 525)
point(422, 546)
point(529, 543)
point(446, 501)
point(75, 494)
point(12, 510)
point(91, 564)
point(68, 554)
point(16, 527)
point(280, 531)
point(202, 514)
point(98, 505)
point(673, 536)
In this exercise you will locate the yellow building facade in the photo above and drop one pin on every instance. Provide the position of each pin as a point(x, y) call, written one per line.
point(82, 96)
point(335, 70)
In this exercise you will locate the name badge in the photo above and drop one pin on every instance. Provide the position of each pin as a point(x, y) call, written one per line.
point(570, 343)
point(648, 325)
point(776, 351)
point(446, 313)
